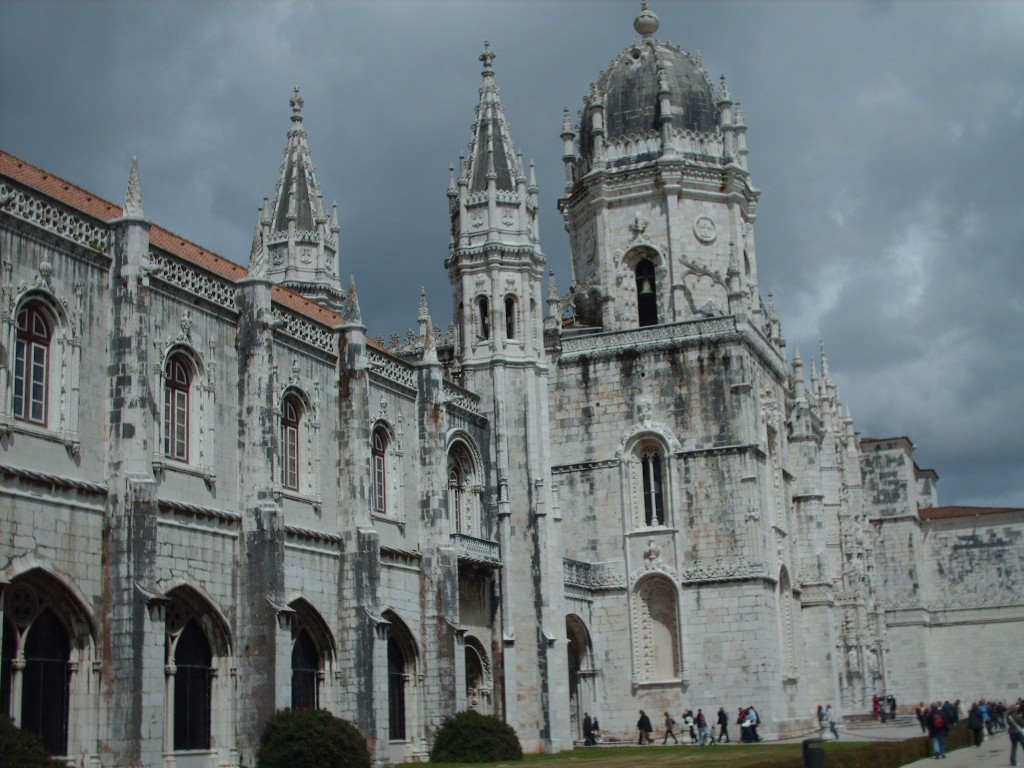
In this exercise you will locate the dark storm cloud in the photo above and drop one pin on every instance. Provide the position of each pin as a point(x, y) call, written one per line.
point(884, 136)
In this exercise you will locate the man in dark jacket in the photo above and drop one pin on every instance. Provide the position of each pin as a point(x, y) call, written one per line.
point(644, 726)
point(723, 725)
point(975, 722)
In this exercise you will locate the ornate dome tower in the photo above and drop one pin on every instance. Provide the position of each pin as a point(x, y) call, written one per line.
point(658, 200)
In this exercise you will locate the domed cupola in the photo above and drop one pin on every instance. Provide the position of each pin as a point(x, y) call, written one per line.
point(658, 200)
point(649, 94)
point(630, 92)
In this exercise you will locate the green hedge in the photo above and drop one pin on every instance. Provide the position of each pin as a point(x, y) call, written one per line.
point(22, 749)
point(470, 737)
point(311, 738)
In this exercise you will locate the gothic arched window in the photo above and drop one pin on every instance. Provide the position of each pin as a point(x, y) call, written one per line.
point(305, 672)
point(291, 419)
point(646, 293)
point(510, 317)
point(193, 661)
point(44, 681)
point(483, 310)
point(462, 492)
point(32, 364)
point(654, 499)
point(380, 471)
point(456, 496)
point(396, 690)
point(177, 387)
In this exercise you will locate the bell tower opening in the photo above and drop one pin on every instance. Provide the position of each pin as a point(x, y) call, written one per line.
point(646, 293)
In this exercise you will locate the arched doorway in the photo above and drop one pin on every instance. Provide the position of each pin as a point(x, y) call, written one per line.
point(582, 674)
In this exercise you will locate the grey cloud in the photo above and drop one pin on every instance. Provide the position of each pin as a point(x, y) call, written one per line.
point(882, 134)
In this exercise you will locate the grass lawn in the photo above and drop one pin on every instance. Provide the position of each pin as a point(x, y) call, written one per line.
point(717, 756)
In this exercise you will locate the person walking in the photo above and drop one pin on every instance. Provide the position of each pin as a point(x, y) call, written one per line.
point(669, 725)
point(975, 723)
point(831, 720)
point(753, 720)
point(723, 725)
point(938, 729)
point(644, 726)
point(688, 724)
point(588, 730)
point(1015, 728)
point(702, 727)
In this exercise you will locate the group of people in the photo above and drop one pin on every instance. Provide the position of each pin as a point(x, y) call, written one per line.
point(827, 719)
point(699, 728)
point(883, 707)
point(982, 716)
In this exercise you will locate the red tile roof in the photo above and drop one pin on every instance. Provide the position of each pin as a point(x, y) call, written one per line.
point(947, 513)
point(95, 206)
point(57, 188)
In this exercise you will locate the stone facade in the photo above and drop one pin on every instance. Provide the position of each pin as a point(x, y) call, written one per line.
point(220, 498)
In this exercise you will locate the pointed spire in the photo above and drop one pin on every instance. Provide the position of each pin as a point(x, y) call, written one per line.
point(258, 253)
point(799, 392)
point(491, 153)
point(299, 236)
point(426, 329)
point(352, 299)
point(826, 369)
point(133, 199)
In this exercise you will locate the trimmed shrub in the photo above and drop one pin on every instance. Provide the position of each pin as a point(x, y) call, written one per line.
point(470, 737)
point(311, 738)
point(22, 749)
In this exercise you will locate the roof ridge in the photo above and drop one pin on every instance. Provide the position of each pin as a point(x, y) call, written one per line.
point(56, 187)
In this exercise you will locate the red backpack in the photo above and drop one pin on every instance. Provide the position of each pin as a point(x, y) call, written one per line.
point(938, 722)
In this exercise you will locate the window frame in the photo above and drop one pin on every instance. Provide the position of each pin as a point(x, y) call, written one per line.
point(177, 417)
point(292, 412)
point(652, 474)
point(31, 379)
point(379, 484)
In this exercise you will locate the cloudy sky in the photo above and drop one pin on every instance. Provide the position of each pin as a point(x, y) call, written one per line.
point(886, 137)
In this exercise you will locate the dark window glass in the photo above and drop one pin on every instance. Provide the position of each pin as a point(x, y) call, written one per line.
point(192, 689)
point(485, 318)
point(396, 690)
point(44, 698)
point(510, 317)
point(305, 672)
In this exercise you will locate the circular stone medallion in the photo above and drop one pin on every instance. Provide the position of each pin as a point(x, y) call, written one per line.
point(705, 230)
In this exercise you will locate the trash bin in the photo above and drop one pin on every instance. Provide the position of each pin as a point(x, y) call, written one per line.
point(814, 756)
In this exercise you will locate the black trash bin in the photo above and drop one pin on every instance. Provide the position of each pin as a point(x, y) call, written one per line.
point(814, 756)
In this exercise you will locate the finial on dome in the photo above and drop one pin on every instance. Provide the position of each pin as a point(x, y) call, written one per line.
point(646, 23)
point(297, 101)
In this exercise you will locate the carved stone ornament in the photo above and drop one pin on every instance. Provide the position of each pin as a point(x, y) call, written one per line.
point(705, 230)
point(638, 227)
point(588, 248)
